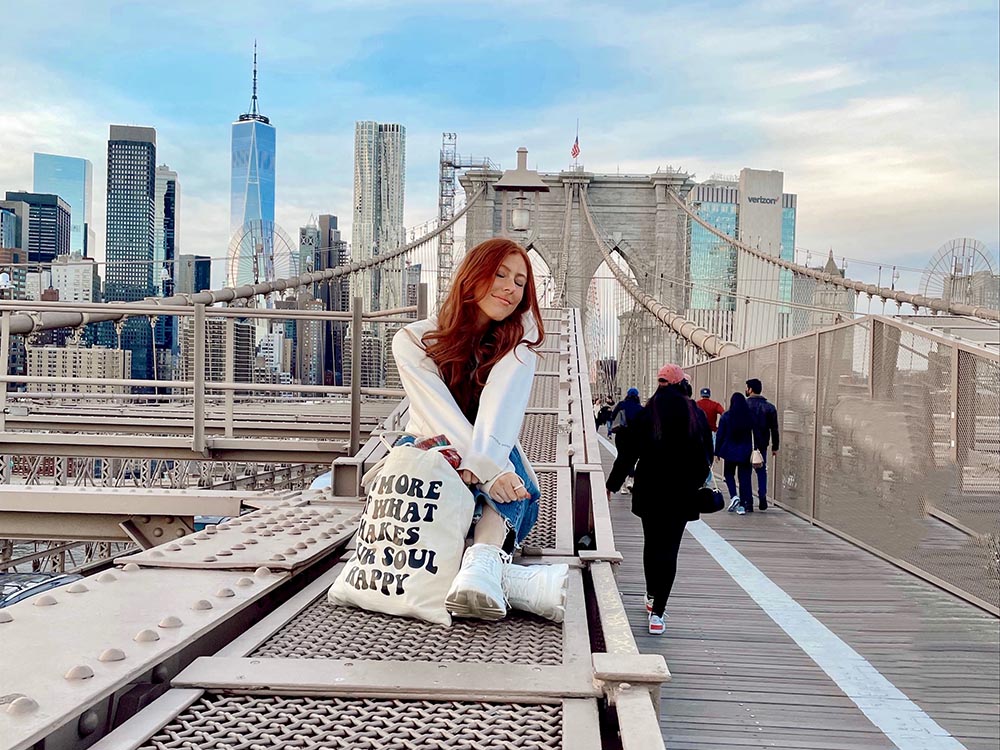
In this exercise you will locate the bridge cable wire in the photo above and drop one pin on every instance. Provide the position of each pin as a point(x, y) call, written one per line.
point(695, 334)
point(23, 323)
point(916, 300)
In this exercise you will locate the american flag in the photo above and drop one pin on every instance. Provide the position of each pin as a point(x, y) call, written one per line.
point(575, 151)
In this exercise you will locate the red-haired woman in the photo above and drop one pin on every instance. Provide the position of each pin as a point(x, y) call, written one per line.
point(468, 374)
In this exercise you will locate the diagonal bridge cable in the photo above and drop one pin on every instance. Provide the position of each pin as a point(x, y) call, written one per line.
point(697, 335)
point(22, 323)
point(873, 290)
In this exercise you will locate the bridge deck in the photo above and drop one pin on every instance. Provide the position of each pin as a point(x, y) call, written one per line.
point(741, 681)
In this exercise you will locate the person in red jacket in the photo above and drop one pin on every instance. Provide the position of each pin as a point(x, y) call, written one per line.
point(713, 410)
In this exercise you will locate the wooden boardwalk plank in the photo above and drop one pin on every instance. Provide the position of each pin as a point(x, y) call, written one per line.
point(740, 681)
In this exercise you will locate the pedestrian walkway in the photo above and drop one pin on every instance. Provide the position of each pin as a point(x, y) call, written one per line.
point(903, 663)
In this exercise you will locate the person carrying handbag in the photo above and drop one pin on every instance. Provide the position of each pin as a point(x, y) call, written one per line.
point(765, 434)
point(670, 447)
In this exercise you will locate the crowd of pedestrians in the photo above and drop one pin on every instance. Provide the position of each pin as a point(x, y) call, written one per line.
point(669, 446)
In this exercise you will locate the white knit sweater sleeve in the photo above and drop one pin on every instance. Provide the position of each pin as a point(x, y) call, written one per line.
point(501, 413)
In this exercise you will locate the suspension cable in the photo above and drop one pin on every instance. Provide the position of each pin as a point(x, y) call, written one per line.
point(22, 323)
point(917, 300)
point(697, 335)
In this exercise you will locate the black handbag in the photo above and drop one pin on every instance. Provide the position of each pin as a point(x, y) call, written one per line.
point(710, 499)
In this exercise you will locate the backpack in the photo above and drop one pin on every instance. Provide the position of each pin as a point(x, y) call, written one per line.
point(620, 421)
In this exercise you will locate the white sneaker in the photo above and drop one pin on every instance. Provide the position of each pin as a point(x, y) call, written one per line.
point(740, 510)
point(539, 589)
point(477, 590)
point(656, 625)
point(649, 604)
point(734, 503)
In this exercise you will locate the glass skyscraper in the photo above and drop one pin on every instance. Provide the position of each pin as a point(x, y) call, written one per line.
point(252, 181)
point(130, 235)
point(712, 262)
point(72, 179)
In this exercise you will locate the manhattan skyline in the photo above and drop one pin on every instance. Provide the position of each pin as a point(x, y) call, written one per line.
point(883, 118)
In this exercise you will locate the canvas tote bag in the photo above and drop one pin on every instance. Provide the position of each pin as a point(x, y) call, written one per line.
point(411, 538)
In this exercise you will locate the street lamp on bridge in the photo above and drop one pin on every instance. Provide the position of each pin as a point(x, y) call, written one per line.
point(521, 180)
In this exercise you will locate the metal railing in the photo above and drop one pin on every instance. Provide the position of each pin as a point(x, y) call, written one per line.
point(889, 438)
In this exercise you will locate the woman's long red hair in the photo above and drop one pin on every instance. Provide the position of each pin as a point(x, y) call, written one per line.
point(457, 345)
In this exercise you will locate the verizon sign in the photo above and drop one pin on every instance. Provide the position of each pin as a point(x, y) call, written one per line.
point(761, 199)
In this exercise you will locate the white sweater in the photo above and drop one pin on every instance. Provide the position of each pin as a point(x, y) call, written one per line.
point(485, 447)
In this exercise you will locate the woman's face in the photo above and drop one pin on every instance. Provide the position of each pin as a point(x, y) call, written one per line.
point(507, 290)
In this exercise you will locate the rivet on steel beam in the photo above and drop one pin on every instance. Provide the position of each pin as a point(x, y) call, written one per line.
point(294, 532)
point(266, 533)
point(211, 530)
point(208, 558)
point(131, 568)
point(76, 588)
point(156, 553)
point(223, 526)
point(262, 571)
point(251, 541)
point(225, 593)
point(310, 540)
point(112, 654)
point(201, 604)
point(45, 600)
point(5, 617)
point(79, 672)
point(201, 536)
point(88, 723)
point(21, 705)
point(301, 545)
point(238, 547)
point(173, 547)
point(107, 577)
point(224, 553)
point(277, 558)
point(187, 542)
point(236, 522)
point(157, 532)
point(249, 530)
point(290, 551)
point(179, 533)
point(244, 581)
point(170, 622)
point(324, 535)
point(146, 636)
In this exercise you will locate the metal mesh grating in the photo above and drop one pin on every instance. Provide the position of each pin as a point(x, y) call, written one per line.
point(544, 392)
point(548, 362)
point(230, 722)
point(544, 533)
point(539, 437)
point(791, 481)
point(325, 631)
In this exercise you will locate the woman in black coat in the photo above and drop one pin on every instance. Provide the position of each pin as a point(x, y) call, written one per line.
point(672, 442)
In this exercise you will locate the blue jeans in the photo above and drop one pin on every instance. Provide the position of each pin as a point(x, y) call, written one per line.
point(761, 472)
point(740, 469)
point(520, 515)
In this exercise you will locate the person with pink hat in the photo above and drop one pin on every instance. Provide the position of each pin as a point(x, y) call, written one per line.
point(672, 443)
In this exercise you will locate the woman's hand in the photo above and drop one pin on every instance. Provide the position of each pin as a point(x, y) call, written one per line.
point(508, 487)
point(468, 477)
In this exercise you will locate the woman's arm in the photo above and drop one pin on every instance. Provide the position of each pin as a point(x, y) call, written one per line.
point(501, 413)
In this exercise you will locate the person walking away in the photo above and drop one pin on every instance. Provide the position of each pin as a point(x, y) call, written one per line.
point(734, 446)
point(765, 433)
point(623, 413)
point(604, 415)
point(672, 443)
point(713, 410)
point(468, 374)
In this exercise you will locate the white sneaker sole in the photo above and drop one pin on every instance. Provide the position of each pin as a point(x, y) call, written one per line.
point(473, 603)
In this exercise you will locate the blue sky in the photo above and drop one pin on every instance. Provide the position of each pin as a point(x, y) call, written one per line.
point(884, 116)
